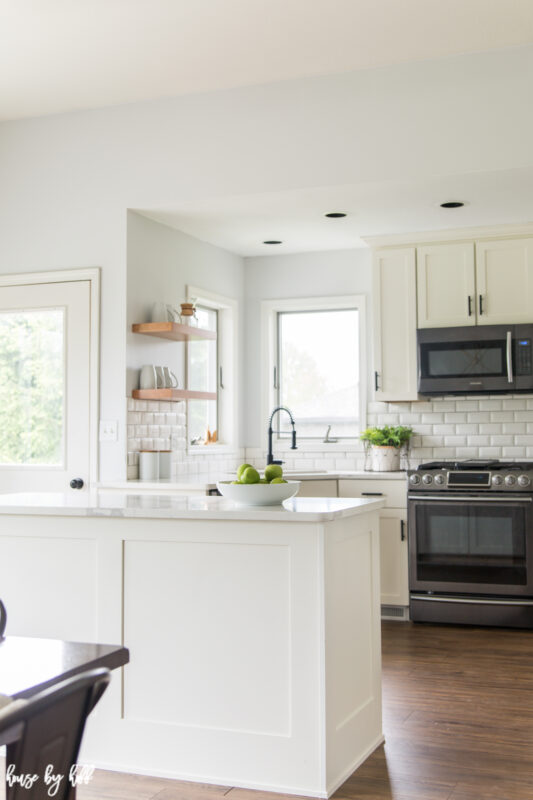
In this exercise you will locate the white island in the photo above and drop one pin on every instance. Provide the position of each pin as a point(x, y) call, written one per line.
point(254, 633)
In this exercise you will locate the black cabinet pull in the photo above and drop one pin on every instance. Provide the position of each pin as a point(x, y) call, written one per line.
point(480, 305)
point(371, 494)
point(376, 376)
point(76, 483)
point(402, 530)
point(469, 305)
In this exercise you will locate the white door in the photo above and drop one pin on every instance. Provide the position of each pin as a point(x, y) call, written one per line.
point(446, 286)
point(394, 290)
point(504, 273)
point(393, 557)
point(44, 385)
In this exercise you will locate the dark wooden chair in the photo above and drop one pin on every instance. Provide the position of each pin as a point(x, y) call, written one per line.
point(46, 733)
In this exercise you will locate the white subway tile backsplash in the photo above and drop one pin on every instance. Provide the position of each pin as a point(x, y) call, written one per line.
point(514, 405)
point(500, 416)
point(490, 405)
point(432, 418)
point(445, 429)
point(514, 452)
point(479, 416)
point(467, 405)
point(501, 441)
point(455, 417)
point(514, 427)
point(468, 427)
point(523, 416)
point(478, 441)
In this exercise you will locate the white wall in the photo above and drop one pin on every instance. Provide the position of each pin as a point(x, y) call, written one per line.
point(67, 180)
point(336, 272)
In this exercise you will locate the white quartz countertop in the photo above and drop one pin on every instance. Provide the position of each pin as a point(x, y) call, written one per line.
point(168, 506)
point(205, 482)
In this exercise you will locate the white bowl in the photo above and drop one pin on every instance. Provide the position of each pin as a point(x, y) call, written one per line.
point(258, 494)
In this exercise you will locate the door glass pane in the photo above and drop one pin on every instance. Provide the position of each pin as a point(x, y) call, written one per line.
point(32, 387)
point(463, 544)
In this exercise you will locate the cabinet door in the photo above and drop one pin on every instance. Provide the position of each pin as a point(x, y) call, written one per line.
point(446, 290)
point(393, 557)
point(394, 291)
point(504, 274)
point(327, 488)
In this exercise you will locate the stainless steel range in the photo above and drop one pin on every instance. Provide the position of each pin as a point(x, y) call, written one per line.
point(471, 543)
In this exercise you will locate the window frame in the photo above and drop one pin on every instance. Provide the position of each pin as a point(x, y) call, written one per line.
point(270, 355)
point(228, 358)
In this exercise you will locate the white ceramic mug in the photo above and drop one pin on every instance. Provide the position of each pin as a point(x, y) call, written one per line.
point(148, 377)
point(159, 312)
point(160, 378)
point(169, 379)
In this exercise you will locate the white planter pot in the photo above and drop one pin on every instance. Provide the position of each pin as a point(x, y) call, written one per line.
point(385, 459)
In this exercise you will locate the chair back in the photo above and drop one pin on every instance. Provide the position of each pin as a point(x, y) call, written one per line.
point(51, 726)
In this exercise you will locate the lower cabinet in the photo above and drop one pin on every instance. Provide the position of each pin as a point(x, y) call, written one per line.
point(393, 536)
point(394, 567)
point(325, 488)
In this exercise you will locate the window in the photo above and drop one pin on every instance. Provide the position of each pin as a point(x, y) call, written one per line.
point(317, 363)
point(212, 366)
point(202, 370)
point(32, 387)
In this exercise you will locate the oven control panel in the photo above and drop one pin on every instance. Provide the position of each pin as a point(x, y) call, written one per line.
point(448, 479)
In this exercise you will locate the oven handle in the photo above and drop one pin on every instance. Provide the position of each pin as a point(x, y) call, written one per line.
point(477, 601)
point(469, 498)
point(509, 353)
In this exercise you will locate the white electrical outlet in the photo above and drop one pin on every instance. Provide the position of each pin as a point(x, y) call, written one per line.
point(108, 430)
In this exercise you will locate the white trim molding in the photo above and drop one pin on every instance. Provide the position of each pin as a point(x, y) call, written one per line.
point(91, 274)
point(511, 231)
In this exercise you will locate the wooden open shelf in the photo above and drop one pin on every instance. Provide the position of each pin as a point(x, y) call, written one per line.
point(173, 331)
point(172, 394)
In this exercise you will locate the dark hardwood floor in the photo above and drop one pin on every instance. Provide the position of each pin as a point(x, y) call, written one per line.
point(458, 721)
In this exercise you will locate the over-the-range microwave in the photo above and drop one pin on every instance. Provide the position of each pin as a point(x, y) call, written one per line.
point(471, 360)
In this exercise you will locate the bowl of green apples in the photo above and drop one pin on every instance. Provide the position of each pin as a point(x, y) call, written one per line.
point(250, 488)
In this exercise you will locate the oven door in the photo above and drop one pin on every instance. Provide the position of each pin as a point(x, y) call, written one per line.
point(459, 360)
point(471, 544)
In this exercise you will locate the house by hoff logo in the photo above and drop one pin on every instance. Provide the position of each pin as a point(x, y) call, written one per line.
point(77, 775)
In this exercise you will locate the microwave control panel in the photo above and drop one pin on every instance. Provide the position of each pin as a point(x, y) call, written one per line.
point(523, 357)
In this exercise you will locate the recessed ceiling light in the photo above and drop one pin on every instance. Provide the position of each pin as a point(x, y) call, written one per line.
point(272, 241)
point(335, 214)
point(452, 204)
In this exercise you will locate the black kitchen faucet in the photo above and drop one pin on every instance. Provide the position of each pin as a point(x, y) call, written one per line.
point(270, 456)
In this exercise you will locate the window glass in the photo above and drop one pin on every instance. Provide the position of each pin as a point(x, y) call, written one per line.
point(318, 364)
point(202, 376)
point(32, 387)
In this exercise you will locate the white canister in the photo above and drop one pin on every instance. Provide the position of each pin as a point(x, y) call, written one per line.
point(149, 465)
point(165, 463)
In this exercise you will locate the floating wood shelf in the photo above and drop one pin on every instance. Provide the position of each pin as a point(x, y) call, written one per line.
point(173, 331)
point(172, 394)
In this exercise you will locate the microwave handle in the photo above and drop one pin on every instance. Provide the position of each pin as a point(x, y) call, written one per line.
point(509, 353)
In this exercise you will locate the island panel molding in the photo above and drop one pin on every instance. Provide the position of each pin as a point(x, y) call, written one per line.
point(278, 609)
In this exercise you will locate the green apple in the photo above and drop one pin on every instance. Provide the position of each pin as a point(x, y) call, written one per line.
point(250, 475)
point(277, 480)
point(273, 471)
point(241, 469)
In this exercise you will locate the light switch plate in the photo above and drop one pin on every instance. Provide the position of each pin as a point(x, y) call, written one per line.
point(108, 430)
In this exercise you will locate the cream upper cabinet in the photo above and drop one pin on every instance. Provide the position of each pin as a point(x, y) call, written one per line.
point(504, 277)
point(446, 285)
point(394, 309)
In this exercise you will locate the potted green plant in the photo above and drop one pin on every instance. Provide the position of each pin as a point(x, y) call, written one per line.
point(385, 446)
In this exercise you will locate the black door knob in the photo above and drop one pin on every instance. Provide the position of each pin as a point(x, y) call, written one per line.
point(76, 483)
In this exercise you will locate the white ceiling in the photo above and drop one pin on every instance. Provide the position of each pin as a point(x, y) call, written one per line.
point(241, 224)
point(60, 55)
